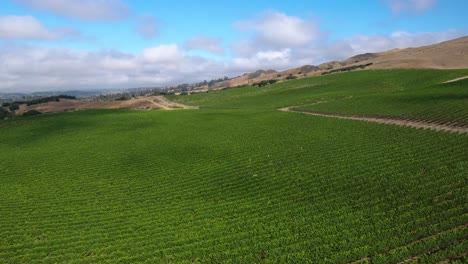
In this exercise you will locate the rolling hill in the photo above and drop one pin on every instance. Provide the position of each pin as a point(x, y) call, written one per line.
point(451, 54)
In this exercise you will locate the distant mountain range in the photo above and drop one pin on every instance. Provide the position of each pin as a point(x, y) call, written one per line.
point(16, 96)
point(77, 93)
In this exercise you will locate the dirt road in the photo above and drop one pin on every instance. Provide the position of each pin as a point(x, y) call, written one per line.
point(390, 121)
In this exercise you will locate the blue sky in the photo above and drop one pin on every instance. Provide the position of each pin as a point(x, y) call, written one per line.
point(95, 44)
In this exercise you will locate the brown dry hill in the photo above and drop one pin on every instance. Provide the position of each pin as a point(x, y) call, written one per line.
point(140, 103)
point(446, 55)
point(451, 54)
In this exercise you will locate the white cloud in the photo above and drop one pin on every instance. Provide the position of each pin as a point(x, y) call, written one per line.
point(31, 68)
point(212, 45)
point(344, 48)
point(277, 41)
point(24, 27)
point(244, 48)
point(147, 27)
point(324, 50)
point(81, 9)
point(273, 59)
point(275, 29)
point(398, 39)
point(281, 42)
point(416, 6)
point(29, 28)
point(163, 53)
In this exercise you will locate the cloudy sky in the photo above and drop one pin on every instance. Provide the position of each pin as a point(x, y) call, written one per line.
point(96, 44)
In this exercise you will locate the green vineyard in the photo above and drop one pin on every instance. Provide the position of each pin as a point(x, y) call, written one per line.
point(238, 181)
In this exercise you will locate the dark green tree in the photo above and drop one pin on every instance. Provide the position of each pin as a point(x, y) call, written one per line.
point(14, 106)
point(4, 113)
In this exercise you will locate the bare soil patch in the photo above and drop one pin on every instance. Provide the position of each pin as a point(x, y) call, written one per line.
point(141, 103)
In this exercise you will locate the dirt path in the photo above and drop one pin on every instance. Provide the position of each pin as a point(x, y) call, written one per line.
point(390, 121)
point(457, 79)
point(156, 105)
point(169, 105)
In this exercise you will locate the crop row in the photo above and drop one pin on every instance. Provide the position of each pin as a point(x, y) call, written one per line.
point(244, 187)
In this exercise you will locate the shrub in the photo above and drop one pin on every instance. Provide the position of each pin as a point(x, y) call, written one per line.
point(264, 83)
point(291, 77)
point(13, 107)
point(31, 113)
point(4, 113)
point(49, 99)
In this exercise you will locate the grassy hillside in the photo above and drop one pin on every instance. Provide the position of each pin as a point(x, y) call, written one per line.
point(415, 94)
point(236, 181)
point(443, 103)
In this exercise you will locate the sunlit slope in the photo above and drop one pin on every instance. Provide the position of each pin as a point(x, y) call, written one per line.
point(414, 94)
point(236, 181)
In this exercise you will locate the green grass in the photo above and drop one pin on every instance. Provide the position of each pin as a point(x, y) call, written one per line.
point(234, 182)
